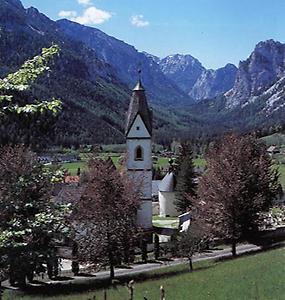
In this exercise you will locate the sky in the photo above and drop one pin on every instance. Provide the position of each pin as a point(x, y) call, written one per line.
point(216, 32)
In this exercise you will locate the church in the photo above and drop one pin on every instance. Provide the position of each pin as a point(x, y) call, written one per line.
point(139, 158)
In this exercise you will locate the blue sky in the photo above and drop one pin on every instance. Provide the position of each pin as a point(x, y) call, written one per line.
point(214, 31)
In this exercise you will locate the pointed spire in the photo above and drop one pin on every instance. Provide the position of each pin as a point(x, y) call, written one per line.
point(138, 105)
point(139, 86)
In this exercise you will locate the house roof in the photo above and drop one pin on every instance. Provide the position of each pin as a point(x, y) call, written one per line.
point(271, 148)
point(139, 106)
point(71, 179)
point(168, 183)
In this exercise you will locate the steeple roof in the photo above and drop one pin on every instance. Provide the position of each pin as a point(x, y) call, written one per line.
point(138, 106)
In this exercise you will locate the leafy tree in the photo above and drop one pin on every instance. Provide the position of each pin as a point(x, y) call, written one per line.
point(186, 185)
point(14, 84)
point(29, 220)
point(191, 241)
point(21, 116)
point(238, 185)
point(105, 217)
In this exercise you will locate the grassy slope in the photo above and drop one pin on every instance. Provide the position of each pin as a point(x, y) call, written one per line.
point(260, 276)
point(274, 139)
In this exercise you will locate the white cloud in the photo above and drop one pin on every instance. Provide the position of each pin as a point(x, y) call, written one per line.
point(67, 14)
point(138, 20)
point(92, 16)
point(85, 2)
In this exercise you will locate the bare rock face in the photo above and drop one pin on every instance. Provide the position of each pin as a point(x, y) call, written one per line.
point(212, 83)
point(184, 70)
point(263, 68)
point(189, 74)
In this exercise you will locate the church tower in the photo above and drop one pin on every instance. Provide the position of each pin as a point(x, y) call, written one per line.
point(139, 152)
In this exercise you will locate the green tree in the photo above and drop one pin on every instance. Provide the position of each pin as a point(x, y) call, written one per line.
point(30, 221)
point(21, 115)
point(14, 84)
point(237, 187)
point(185, 174)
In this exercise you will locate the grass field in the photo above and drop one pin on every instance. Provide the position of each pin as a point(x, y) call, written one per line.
point(162, 162)
point(260, 276)
point(168, 222)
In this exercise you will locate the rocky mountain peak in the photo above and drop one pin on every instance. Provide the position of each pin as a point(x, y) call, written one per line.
point(179, 62)
point(265, 65)
point(15, 3)
point(213, 83)
point(184, 70)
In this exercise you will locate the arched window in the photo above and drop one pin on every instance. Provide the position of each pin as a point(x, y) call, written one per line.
point(138, 153)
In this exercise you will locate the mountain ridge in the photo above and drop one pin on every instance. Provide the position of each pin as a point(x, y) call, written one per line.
point(95, 72)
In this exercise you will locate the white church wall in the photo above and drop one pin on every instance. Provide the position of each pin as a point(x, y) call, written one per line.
point(144, 215)
point(166, 204)
point(146, 162)
point(143, 181)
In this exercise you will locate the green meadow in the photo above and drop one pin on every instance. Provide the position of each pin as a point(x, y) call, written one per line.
point(259, 276)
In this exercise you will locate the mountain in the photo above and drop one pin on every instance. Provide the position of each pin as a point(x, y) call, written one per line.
point(126, 60)
point(212, 83)
point(264, 67)
point(94, 73)
point(94, 98)
point(257, 99)
point(184, 70)
point(94, 92)
point(195, 80)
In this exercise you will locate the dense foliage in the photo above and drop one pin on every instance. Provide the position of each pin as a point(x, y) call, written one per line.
point(186, 184)
point(237, 187)
point(23, 118)
point(104, 219)
point(30, 221)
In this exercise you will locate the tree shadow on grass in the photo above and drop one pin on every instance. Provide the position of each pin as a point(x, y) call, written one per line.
point(264, 248)
point(87, 275)
point(93, 284)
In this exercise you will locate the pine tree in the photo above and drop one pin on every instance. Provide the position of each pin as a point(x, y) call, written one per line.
point(185, 174)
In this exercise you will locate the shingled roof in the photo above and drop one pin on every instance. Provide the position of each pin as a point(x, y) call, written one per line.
point(138, 105)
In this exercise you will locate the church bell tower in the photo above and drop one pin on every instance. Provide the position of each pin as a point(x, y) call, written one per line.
point(139, 152)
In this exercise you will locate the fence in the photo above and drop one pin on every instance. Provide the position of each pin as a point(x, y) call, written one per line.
point(131, 290)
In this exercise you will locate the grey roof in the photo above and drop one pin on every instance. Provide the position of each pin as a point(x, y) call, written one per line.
point(168, 183)
point(138, 105)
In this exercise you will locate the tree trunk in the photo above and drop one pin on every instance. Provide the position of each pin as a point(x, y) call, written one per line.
point(75, 264)
point(190, 264)
point(112, 271)
point(156, 246)
point(162, 293)
point(234, 250)
point(144, 251)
